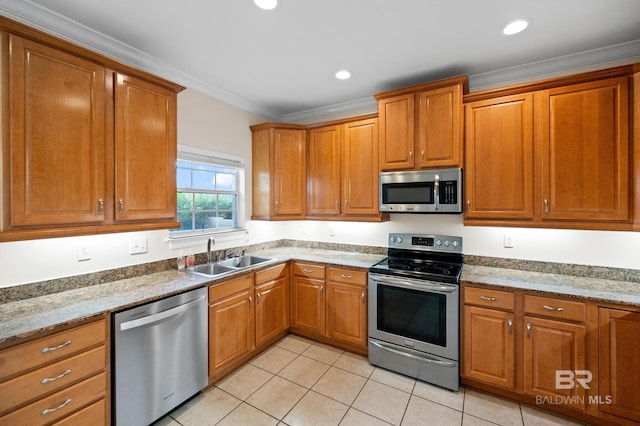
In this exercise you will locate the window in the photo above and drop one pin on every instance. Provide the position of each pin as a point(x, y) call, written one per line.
point(208, 191)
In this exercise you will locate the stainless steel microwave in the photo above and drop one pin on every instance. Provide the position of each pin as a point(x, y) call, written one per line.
point(421, 191)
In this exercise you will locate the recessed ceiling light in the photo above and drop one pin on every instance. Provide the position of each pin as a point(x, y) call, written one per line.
point(266, 4)
point(515, 27)
point(343, 75)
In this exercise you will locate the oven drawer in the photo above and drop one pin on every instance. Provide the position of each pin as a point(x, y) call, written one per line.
point(308, 270)
point(554, 308)
point(489, 298)
point(348, 276)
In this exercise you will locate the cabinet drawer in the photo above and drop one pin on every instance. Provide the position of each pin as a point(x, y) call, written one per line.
point(227, 288)
point(308, 270)
point(52, 348)
point(271, 273)
point(348, 276)
point(59, 404)
point(554, 308)
point(489, 298)
point(56, 376)
point(95, 414)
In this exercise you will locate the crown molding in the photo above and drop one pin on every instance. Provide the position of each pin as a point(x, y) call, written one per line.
point(354, 108)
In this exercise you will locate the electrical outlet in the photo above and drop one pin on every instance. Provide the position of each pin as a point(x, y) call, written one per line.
point(138, 246)
point(83, 252)
point(508, 241)
point(332, 231)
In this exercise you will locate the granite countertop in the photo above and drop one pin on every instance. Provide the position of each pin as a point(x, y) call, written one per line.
point(27, 317)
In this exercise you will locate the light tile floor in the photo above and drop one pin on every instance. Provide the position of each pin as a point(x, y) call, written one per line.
point(301, 382)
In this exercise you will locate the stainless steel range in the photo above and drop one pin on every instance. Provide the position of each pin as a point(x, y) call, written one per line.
point(413, 312)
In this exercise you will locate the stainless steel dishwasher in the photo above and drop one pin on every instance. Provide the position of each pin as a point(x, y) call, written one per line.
point(161, 351)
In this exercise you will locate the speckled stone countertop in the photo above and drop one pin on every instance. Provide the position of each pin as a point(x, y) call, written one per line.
point(596, 289)
point(30, 316)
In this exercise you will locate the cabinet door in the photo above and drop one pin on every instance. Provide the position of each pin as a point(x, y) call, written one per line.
point(551, 346)
point(347, 313)
point(56, 152)
point(271, 310)
point(231, 324)
point(324, 171)
point(289, 172)
point(489, 346)
point(499, 158)
point(308, 307)
point(397, 142)
point(583, 129)
point(145, 147)
point(439, 128)
point(619, 370)
point(360, 168)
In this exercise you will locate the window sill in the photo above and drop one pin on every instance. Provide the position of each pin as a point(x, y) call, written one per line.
point(200, 238)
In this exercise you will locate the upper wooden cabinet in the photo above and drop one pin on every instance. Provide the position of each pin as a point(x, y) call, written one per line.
point(89, 146)
point(342, 177)
point(279, 171)
point(421, 126)
point(557, 156)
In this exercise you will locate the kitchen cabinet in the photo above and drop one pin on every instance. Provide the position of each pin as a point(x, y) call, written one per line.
point(519, 341)
point(342, 176)
point(551, 154)
point(279, 171)
point(421, 126)
point(62, 377)
point(619, 372)
point(90, 145)
point(231, 323)
point(272, 304)
point(330, 305)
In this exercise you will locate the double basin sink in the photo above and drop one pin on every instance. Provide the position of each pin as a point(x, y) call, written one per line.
point(234, 264)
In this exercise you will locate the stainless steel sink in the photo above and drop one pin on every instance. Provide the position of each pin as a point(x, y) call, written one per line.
point(210, 270)
point(244, 261)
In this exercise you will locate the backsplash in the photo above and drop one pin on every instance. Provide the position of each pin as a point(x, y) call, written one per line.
point(27, 291)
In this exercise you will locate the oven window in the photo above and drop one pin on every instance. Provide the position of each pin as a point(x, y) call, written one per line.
point(408, 193)
point(412, 314)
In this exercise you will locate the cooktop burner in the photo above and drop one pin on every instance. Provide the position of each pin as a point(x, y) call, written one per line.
point(429, 257)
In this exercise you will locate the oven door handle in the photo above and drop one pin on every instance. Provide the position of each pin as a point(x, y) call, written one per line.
point(425, 358)
point(413, 284)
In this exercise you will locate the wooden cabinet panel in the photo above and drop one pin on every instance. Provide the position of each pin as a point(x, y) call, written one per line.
point(289, 172)
point(397, 123)
point(94, 414)
point(585, 148)
point(231, 330)
point(347, 313)
point(499, 158)
point(56, 149)
point(550, 346)
point(439, 127)
point(272, 305)
point(360, 168)
point(324, 171)
point(309, 270)
point(619, 370)
point(145, 146)
point(489, 346)
point(489, 298)
point(555, 308)
point(308, 305)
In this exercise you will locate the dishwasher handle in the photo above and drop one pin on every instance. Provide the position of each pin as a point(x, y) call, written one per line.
point(159, 316)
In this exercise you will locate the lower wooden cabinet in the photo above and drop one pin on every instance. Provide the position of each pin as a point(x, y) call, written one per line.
point(619, 364)
point(272, 304)
point(62, 377)
point(308, 303)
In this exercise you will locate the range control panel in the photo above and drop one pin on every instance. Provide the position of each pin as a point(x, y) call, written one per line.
point(426, 242)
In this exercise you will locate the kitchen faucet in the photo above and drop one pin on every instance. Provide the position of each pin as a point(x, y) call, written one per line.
point(210, 243)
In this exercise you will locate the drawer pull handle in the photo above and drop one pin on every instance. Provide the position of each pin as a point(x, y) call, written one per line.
point(250, 300)
point(321, 288)
point(510, 324)
point(490, 299)
point(53, 379)
point(257, 298)
point(51, 410)
point(363, 298)
point(307, 271)
point(347, 276)
point(528, 330)
point(100, 206)
point(121, 206)
point(551, 308)
point(46, 350)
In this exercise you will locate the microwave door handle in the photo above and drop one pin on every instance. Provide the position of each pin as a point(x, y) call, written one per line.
point(436, 192)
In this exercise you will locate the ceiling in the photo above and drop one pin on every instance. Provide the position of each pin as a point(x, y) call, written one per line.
point(281, 63)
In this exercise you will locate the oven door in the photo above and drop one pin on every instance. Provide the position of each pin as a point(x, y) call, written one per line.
point(416, 314)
